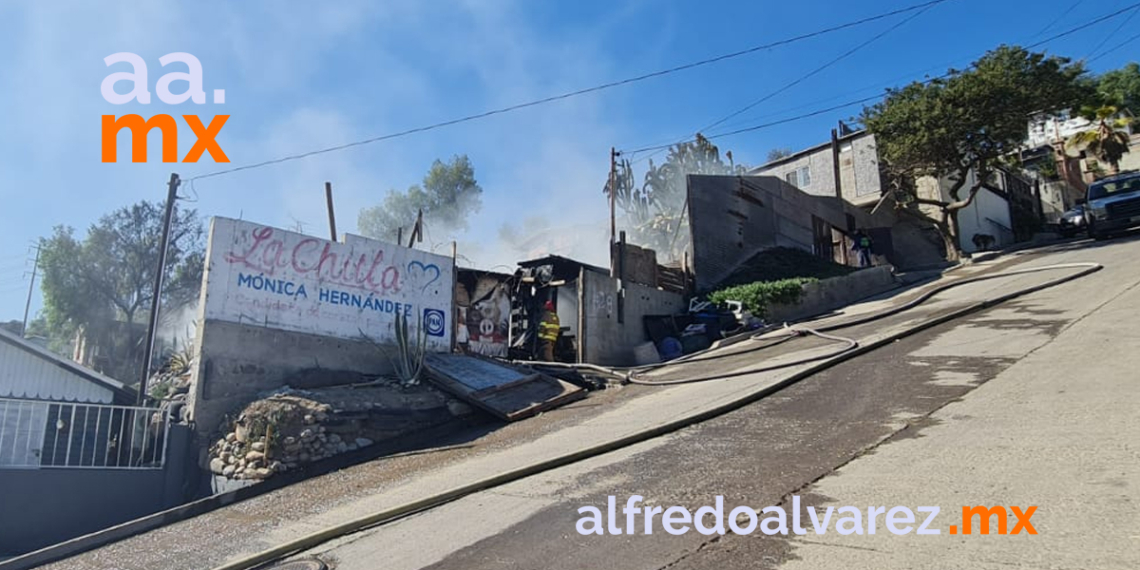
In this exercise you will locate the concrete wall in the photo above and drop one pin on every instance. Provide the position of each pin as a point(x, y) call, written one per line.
point(270, 277)
point(858, 169)
point(41, 507)
point(607, 341)
point(734, 217)
point(987, 214)
point(1056, 198)
point(237, 362)
point(252, 338)
point(830, 294)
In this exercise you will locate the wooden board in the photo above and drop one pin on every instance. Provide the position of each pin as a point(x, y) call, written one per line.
point(509, 392)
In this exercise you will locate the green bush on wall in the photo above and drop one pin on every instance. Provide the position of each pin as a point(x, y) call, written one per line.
point(759, 295)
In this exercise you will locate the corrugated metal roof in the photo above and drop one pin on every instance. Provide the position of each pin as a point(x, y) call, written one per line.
point(28, 371)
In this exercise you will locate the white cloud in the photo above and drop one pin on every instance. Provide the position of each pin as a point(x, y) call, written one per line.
point(300, 76)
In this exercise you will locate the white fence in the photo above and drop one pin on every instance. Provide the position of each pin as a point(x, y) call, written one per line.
point(38, 434)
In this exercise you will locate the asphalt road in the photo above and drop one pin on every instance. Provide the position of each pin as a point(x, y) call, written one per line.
point(873, 430)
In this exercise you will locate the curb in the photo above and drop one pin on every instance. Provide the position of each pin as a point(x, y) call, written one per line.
point(122, 531)
point(183, 512)
point(407, 509)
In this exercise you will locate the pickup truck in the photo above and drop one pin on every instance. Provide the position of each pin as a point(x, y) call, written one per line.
point(1113, 204)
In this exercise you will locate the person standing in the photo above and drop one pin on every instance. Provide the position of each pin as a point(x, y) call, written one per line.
point(862, 247)
point(548, 330)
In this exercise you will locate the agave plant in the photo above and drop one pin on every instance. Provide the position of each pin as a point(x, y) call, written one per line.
point(409, 352)
point(1107, 139)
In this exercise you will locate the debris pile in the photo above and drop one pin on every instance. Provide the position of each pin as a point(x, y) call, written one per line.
point(291, 428)
point(170, 385)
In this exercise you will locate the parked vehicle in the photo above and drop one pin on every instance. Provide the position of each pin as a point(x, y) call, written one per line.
point(1113, 204)
point(1072, 222)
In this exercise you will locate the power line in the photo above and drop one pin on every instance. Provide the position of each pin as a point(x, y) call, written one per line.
point(879, 86)
point(1085, 25)
point(867, 99)
point(770, 124)
point(1116, 47)
point(819, 69)
point(1059, 18)
point(801, 79)
point(570, 94)
point(1111, 34)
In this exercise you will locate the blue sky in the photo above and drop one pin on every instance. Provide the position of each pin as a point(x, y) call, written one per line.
point(300, 76)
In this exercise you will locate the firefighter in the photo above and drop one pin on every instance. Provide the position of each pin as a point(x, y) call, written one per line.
point(862, 246)
point(548, 329)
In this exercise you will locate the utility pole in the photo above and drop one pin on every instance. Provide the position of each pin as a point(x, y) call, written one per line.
point(417, 230)
point(31, 288)
point(332, 216)
point(151, 330)
point(613, 197)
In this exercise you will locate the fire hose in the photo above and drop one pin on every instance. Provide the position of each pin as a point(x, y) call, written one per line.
point(850, 349)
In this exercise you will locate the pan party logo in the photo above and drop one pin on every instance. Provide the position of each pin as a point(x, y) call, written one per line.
point(434, 322)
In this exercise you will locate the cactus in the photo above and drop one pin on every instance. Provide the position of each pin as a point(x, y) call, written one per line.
point(409, 352)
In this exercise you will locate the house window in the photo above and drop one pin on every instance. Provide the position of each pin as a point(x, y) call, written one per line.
point(800, 177)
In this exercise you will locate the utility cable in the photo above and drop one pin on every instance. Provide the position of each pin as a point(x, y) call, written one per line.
point(817, 70)
point(602, 87)
point(1116, 47)
point(851, 103)
point(1060, 17)
point(1115, 31)
point(1072, 31)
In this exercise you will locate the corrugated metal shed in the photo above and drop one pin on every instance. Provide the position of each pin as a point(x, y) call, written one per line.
point(30, 372)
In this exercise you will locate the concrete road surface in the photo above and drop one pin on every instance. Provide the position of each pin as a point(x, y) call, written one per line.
point(1027, 403)
point(1032, 403)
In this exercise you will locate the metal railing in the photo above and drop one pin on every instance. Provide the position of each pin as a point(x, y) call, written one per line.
point(37, 434)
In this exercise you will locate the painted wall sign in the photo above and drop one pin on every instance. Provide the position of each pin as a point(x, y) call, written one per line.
point(271, 277)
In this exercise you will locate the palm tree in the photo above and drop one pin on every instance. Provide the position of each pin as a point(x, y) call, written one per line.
point(1107, 139)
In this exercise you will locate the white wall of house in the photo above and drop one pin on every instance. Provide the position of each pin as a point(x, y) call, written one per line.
point(988, 214)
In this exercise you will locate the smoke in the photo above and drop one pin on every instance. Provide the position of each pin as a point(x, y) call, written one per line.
point(177, 327)
point(536, 236)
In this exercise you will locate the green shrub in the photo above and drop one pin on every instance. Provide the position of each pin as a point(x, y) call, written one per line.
point(759, 295)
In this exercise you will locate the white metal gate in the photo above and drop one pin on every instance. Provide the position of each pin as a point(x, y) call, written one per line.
point(41, 434)
point(22, 427)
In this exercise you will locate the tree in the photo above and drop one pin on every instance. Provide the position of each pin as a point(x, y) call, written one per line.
point(655, 210)
point(1120, 88)
point(103, 283)
point(15, 327)
point(448, 195)
point(778, 153)
point(1107, 139)
point(963, 124)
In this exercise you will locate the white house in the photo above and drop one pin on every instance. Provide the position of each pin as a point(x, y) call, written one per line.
point(30, 372)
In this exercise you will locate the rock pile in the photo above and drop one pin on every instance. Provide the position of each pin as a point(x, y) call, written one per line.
point(170, 385)
point(278, 434)
point(291, 428)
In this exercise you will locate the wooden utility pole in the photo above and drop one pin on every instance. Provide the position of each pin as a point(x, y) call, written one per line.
point(417, 230)
point(31, 288)
point(152, 326)
point(613, 197)
point(332, 216)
